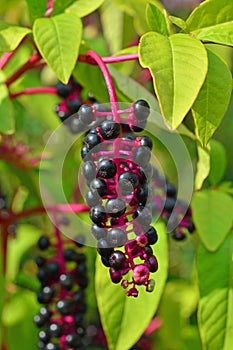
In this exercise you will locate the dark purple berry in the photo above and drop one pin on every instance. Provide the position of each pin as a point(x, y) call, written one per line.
point(105, 261)
point(98, 214)
point(106, 168)
point(99, 185)
point(67, 280)
point(43, 242)
point(141, 110)
point(144, 216)
point(65, 307)
point(127, 182)
point(55, 330)
point(40, 261)
point(146, 142)
point(141, 124)
point(44, 336)
point(169, 203)
point(92, 198)
point(116, 237)
point(171, 190)
point(73, 105)
point(63, 90)
point(103, 248)
point(117, 260)
point(115, 275)
point(152, 235)
point(75, 125)
point(52, 346)
point(115, 207)
point(73, 340)
point(91, 141)
point(178, 235)
point(70, 254)
point(109, 130)
point(86, 114)
point(142, 156)
point(98, 232)
point(45, 295)
point(89, 170)
point(153, 263)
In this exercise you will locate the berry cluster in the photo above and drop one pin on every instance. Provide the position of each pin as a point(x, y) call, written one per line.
point(117, 170)
point(175, 212)
point(63, 278)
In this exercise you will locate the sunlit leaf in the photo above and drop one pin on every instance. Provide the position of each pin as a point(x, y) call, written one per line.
point(84, 7)
point(58, 39)
point(11, 35)
point(203, 166)
point(178, 65)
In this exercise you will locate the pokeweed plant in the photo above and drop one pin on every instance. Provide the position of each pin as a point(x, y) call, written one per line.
point(134, 90)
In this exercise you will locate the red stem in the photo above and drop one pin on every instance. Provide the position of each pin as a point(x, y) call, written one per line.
point(6, 58)
point(110, 59)
point(34, 90)
point(49, 8)
point(63, 208)
point(35, 57)
point(109, 83)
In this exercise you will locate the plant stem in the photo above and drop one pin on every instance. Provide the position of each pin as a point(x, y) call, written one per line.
point(6, 58)
point(109, 82)
point(35, 57)
point(34, 90)
point(62, 208)
point(49, 8)
point(110, 59)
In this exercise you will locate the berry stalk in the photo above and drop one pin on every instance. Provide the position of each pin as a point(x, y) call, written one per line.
point(34, 90)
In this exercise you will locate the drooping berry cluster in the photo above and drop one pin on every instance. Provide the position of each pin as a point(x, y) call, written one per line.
point(117, 170)
point(176, 213)
point(63, 281)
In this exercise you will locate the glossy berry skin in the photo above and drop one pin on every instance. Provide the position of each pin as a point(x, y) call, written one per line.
point(97, 214)
point(109, 130)
point(143, 216)
point(152, 235)
point(75, 125)
point(92, 198)
point(142, 156)
point(67, 280)
point(65, 307)
point(171, 190)
point(141, 110)
point(127, 181)
point(98, 232)
point(169, 203)
point(141, 124)
point(103, 248)
point(153, 263)
point(85, 153)
point(73, 340)
point(55, 330)
point(146, 142)
point(116, 237)
point(99, 185)
point(73, 105)
point(115, 207)
point(43, 243)
point(63, 90)
point(86, 114)
point(45, 295)
point(116, 275)
point(70, 254)
point(91, 141)
point(106, 169)
point(89, 170)
point(44, 336)
point(52, 346)
point(117, 260)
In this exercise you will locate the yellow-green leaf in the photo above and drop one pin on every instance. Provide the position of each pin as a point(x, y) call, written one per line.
point(11, 35)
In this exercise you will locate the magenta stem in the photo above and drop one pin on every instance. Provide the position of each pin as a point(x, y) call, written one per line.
point(5, 58)
point(34, 90)
point(109, 83)
point(49, 8)
point(110, 59)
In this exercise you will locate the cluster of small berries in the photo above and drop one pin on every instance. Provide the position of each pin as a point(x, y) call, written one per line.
point(117, 171)
point(63, 278)
point(17, 153)
point(176, 213)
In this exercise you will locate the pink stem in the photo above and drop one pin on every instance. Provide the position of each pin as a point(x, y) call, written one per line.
point(49, 8)
point(63, 208)
point(109, 83)
point(5, 58)
point(35, 57)
point(111, 59)
point(35, 90)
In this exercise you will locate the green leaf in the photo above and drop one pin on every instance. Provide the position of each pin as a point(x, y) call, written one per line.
point(156, 19)
point(179, 22)
point(213, 99)
point(178, 65)
point(60, 6)
point(6, 109)
point(218, 162)
point(84, 7)
point(113, 35)
point(27, 236)
point(19, 199)
point(216, 296)
point(11, 35)
point(125, 319)
point(213, 216)
point(58, 40)
point(37, 8)
point(203, 166)
point(213, 21)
